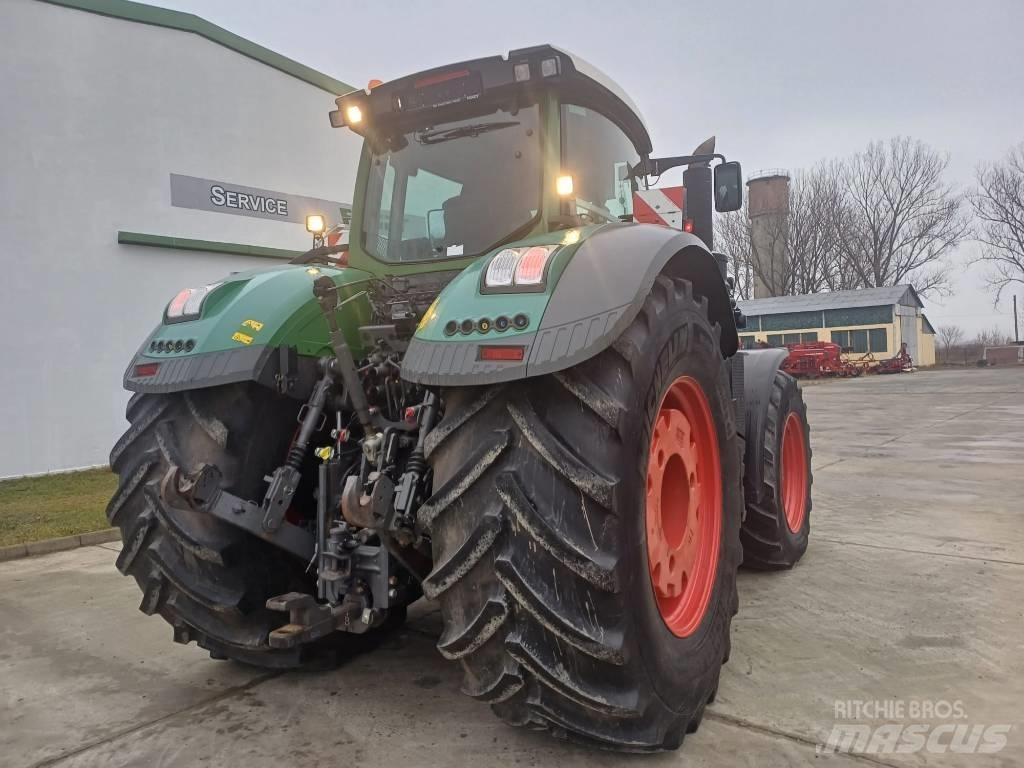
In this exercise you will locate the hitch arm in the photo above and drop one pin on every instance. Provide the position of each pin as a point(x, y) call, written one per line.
point(201, 491)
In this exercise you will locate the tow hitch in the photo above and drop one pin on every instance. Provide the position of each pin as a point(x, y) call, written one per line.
point(309, 620)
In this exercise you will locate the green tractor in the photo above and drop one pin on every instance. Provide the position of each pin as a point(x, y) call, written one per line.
point(503, 394)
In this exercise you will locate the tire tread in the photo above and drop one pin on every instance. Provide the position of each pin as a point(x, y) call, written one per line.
point(536, 619)
point(763, 533)
point(204, 577)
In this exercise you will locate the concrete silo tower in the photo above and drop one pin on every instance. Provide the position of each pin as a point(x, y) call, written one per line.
point(769, 212)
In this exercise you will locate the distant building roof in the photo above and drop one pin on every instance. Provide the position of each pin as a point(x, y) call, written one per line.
point(811, 302)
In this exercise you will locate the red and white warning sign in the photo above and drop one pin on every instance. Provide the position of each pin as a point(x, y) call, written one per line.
point(660, 206)
point(338, 234)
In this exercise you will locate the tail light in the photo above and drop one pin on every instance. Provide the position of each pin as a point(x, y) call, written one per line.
point(531, 266)
point(519, 268)
point(501, 353)
point(188, 303)
point(144, 370)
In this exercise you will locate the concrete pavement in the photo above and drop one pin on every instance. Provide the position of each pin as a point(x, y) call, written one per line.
point(910, 591)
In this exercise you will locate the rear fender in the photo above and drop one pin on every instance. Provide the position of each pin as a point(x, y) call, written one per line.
point(758, 373)
point(598, 293)
point(263, 326)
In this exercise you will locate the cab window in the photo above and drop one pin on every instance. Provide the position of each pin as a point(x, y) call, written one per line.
point(597, 154)
point(429, 195)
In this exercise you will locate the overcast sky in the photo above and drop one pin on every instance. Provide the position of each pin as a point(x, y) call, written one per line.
point(781, 84)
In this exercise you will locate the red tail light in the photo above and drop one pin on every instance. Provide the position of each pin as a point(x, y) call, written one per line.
point(143, 370)
point(519, 267)
point(688, 226)
point(531, 266)
point(177, 306)
point(188, 303)
point(502, 353)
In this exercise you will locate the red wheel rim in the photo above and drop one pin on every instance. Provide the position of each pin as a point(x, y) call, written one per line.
point(683, 506)
point(794, 472)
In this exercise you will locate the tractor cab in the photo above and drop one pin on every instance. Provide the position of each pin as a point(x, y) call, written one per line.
point(460, 160)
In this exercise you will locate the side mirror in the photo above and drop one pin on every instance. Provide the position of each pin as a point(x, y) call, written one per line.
point(728, 187)
point(435, 228)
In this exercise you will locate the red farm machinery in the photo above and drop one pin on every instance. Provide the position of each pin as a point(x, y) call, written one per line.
point(820, 359)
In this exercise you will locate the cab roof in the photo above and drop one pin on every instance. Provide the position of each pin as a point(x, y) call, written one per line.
point(632, 121)
point(403, 101)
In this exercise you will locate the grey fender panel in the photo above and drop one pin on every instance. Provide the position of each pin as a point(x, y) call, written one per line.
point(456, 363)
point(562, 346)
point(211, 369)
point(759, 369)
point(605, 285)
point(194, 371)
point(601, 292)
point(596, 298)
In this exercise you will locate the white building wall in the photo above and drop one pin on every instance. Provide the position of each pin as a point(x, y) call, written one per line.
point(97, 113)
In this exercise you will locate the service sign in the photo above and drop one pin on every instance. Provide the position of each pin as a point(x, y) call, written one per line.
point(225, 197)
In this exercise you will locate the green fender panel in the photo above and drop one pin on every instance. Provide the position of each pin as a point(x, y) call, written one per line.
point(248, 326)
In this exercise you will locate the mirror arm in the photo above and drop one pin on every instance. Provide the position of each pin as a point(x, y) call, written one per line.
point(655, 166)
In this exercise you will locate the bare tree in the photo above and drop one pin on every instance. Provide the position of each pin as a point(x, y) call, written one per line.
point(818, 222)
point(973, 350)
point(998, 202)
point(797, 250)
point(732, 237)
point(883, 217)
point(992, 337)
point(949, 337)
point(906, 219)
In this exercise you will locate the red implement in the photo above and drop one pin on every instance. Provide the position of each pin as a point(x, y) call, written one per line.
point(819, 358)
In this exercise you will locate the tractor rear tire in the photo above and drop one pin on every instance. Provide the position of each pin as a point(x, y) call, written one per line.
point(539, 525)
point(209, 580)
point(778, 520)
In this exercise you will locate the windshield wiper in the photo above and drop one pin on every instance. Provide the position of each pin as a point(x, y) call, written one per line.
point(439, 135)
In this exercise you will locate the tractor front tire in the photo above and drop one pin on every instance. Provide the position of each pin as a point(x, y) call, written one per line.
point(560, 599)
point(209, 580)
point(778, 520)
